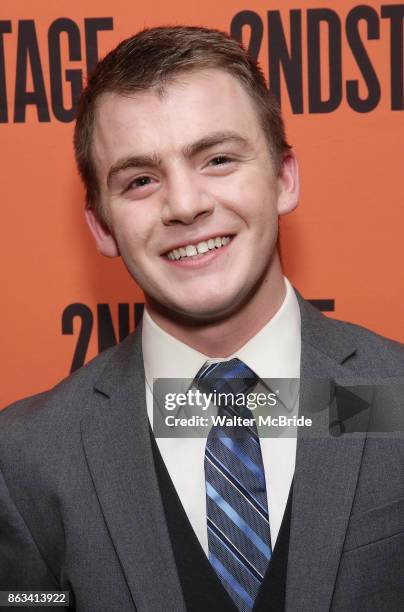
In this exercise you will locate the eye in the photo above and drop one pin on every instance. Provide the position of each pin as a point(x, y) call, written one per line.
point(141, 181)
point(220, 160)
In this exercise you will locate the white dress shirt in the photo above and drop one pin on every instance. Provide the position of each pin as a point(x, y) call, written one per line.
point(273, 353)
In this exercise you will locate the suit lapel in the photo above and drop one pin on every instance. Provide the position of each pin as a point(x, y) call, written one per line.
point(327, 469)
point(117, 445)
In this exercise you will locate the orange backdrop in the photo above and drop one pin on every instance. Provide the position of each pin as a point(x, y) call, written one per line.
point(344, 243)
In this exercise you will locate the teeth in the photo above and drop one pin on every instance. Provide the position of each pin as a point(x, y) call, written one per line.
point(202, 247)
point(191, 250)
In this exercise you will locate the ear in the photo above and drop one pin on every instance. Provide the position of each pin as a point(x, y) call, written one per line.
point(288, 184)
point(105, 241)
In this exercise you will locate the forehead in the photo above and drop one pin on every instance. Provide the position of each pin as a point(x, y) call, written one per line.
point(189, 108)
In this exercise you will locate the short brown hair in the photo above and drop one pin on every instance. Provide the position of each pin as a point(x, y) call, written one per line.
point(151, 59)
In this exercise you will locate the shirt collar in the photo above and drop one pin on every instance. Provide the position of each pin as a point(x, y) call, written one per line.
point(274, 352)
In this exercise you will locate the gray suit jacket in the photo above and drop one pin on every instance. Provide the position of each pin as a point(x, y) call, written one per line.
point(80, 507)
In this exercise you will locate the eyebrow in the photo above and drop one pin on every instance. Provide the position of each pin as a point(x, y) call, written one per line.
point(189, 151)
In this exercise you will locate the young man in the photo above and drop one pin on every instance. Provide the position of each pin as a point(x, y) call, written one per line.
point(184, 158)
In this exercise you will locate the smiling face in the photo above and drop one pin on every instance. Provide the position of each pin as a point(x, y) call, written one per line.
point(191, 194)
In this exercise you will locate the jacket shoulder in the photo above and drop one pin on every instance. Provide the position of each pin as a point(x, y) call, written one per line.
point(367, 338)
point(360, 348)
point(67, 399)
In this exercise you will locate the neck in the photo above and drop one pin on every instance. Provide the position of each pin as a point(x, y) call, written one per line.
point(224, 337)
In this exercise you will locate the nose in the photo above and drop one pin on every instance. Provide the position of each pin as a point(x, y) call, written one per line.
point(185, 198)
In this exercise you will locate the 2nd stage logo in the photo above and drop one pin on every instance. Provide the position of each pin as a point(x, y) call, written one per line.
point(305, 50)
point(63, 59)
point(324, 34)
point(101, 323)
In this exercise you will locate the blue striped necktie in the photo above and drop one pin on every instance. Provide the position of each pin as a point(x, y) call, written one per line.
point(239, 537)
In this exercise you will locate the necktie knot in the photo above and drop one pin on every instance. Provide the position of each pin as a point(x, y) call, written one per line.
point(232, 376)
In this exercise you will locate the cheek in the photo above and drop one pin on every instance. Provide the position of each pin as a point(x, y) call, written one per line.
point(256, 199)
point(266, 208)
point(133, 231)
point(261, 218)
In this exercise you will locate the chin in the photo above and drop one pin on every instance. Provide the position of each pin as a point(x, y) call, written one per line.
point(209, 310)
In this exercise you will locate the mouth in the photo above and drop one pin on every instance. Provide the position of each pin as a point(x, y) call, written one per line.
point(198, 250)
